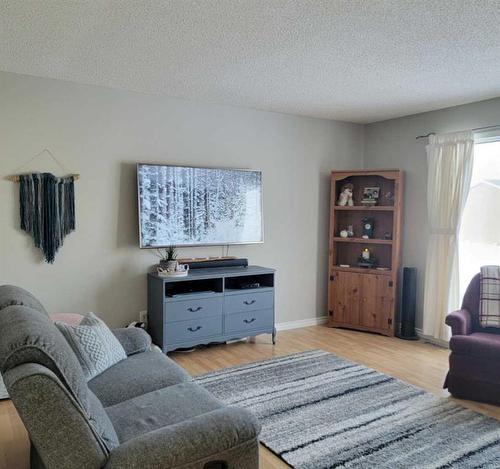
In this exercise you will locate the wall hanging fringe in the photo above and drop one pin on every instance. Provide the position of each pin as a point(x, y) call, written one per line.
point(47, 209)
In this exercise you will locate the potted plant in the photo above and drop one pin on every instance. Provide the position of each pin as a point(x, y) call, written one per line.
point(168, 258)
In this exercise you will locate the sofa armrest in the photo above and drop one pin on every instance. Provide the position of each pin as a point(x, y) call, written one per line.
point(58, 426)
point(460, 322)
point(133, 339)
point(186, 442)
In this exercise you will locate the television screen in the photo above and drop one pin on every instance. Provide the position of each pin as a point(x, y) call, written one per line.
point(185, 206)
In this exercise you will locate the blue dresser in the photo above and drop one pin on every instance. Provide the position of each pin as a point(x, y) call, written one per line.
point(210, 305)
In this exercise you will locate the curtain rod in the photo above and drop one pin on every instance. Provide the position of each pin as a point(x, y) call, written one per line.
point(477, 129)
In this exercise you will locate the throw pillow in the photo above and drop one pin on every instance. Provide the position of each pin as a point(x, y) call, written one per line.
point(489, 297)
point(94, 344)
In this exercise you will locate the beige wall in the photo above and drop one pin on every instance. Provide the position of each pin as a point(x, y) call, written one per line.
point(101, 133)
point(392, 144)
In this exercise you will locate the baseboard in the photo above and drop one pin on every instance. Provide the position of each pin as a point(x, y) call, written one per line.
point(283, 326)
point(432, 340)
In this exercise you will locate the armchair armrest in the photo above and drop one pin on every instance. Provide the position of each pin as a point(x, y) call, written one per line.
point(460, 322)
point(186, 442)
point(133, 339)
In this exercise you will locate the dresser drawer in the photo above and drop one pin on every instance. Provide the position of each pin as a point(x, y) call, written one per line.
point(248, 302)
point(248, 321)
point(186, 331)
point(183, 310)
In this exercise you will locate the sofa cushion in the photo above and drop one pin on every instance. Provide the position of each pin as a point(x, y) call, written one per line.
point(67, 318)
point(11, 295)
point(478, 344)
point(138, 374)
point(157, 409)
point(225, 437)
point(95, 346)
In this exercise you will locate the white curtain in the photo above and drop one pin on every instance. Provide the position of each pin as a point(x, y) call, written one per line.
point(450, 159)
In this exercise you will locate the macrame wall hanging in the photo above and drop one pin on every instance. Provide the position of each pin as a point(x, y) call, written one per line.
point(47, 207)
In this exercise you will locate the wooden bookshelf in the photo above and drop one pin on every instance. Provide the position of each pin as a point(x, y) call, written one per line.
point(359, 297)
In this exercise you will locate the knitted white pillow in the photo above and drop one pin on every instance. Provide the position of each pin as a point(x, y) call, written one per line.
point(94, 344)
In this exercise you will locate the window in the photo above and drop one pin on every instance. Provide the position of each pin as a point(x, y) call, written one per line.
point(479, 238)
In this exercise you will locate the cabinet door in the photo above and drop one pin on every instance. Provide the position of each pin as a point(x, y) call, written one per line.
point(384, 302)
point(377, 299)
point(344, 297)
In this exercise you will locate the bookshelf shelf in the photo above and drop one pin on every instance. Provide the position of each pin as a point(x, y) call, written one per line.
point(339, 239)
point(361, 270)
point(365, 208)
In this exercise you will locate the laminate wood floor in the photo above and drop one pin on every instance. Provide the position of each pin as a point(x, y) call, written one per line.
point(418, 363)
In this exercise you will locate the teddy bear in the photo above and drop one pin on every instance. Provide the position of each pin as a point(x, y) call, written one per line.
point(345, 197)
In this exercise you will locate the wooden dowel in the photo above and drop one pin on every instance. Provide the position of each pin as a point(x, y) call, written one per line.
point(17, 178)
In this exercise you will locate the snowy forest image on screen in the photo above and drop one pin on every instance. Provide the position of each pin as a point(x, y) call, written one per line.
point(183, 205)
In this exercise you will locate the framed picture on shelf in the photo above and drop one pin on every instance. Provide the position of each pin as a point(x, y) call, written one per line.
point(370, 195)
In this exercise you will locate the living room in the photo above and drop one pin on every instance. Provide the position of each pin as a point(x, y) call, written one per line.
point(339, 115)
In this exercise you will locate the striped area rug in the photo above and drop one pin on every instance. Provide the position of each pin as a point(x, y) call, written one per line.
point(320, 411)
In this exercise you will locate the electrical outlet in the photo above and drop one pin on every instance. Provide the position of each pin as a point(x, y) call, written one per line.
point(143, 316)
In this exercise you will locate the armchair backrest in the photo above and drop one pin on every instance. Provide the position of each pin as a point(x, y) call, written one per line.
point(470, 301)
point(43, 376)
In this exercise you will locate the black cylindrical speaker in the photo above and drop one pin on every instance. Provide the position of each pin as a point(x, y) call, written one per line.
point(409, 304)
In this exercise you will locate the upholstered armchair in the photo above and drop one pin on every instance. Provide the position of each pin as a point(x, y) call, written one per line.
point(475, 352)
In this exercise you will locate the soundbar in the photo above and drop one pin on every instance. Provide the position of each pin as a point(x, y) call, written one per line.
point(213, 263)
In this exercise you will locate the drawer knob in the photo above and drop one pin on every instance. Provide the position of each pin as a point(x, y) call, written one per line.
point(193, 310)
point(194, 329)
point(249, 302)
point(248, 321)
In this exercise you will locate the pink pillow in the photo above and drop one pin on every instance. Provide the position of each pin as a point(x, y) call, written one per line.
point(72, 319)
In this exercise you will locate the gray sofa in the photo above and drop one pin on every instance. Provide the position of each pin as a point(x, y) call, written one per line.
point(144, 412)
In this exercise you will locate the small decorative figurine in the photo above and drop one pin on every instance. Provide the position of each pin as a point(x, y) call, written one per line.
point(345, 197)
point(367, 227)
point(365, 254)
point(387, 235)
point(347, 232)
point(389, 197)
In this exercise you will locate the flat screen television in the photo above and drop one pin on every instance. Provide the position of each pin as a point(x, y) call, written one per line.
point(188, 206)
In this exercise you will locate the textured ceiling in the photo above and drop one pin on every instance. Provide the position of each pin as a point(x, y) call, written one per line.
point(353, 60)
